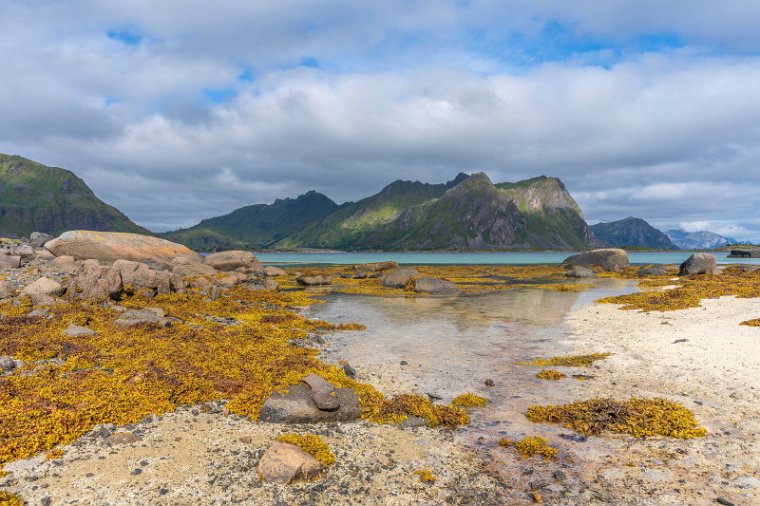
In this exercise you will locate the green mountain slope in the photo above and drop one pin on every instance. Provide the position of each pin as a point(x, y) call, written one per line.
point(469, 212)
point(34, 197)
point(256, 226)
point(632, 233)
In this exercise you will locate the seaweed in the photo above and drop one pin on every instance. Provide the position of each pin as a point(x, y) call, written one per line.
point(311, 444)
point(550, 374)
point(568, 361)
point(531, 446)
point(638, 417)
point(469, 400)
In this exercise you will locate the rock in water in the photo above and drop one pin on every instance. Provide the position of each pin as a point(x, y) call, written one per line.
point(699, 263)
point(435, 286)
point(231, 260)
point(576, 271)
point(609, 259)
point(112, 246)
point(399, 278)
point(285, 463)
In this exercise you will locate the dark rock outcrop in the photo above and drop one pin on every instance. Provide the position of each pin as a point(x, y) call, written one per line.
point(298, 406)
point(699, 263)
point(632, 233)
point(609, 259)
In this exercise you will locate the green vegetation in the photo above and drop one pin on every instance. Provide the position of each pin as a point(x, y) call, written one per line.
point(638, 417)
point(34, 197)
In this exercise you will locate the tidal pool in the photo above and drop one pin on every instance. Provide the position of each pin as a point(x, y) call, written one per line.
point(448, 346)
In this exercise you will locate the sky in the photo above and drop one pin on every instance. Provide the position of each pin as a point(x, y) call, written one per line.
point(175, 111)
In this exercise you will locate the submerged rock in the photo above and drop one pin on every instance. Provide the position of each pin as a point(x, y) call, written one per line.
point(112, 246)
point(609, 259)
point(285, 463)
point(699, 263)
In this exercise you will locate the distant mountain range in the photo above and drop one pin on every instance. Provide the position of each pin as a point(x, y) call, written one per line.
point(34, 197)
point(699, 240)
point(468, 212)
point(632, 233)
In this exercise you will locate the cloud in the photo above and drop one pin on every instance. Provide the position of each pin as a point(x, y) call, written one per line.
point(175, 114)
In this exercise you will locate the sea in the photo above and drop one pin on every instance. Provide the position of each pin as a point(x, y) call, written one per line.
point(474, 258)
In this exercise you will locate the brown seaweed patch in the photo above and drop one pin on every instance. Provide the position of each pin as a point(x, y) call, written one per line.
point(311, 444)
point(638, 417)
point(550, 374)
point(531, 446)
point(568, 361)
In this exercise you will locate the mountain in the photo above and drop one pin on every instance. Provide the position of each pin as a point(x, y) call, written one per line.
point(256, 226)
point(699, 240)
point(34, 197)
point(469, 212)
point(632, 233)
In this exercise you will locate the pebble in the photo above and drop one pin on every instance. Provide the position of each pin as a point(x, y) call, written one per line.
point(746, 482)
point(135, 472)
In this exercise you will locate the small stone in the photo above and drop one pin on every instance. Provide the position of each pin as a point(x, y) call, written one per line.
point(77, 331)
point(747, 482)
point(559, 475)
point(350, 371)
point(489, 382)
point(135, 472)
point(724, 502)
point(323, 393)
point(7, 364)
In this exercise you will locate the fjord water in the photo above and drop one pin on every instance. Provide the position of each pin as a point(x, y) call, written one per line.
point(477, 258)
point(450, 346)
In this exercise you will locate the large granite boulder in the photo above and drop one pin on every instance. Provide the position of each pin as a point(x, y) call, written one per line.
point(435, 286)
point(233, 260)
point(112, 246)
point(699, 263)
point(285, 463)
point(398, 278)
point(609, 259)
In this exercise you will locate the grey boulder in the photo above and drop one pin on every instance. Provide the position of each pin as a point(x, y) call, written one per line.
point(699, 263)
point(435, 286)
point(609, 259)
point(298, 406)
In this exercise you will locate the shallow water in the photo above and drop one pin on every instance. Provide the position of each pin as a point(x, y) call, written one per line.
point(450, 346)
point(479, 258)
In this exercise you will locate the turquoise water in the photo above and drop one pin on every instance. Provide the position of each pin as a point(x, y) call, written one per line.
point(478, 258)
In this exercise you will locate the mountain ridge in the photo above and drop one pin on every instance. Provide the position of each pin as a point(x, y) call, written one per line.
point(632, 232)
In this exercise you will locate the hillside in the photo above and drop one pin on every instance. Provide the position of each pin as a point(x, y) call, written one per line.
point(469, 212)
point(34, 197)
point(256, 226)
point(632, 233)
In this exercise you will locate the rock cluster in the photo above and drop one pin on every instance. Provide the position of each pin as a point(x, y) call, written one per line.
point(104, 266)
point(314, 400)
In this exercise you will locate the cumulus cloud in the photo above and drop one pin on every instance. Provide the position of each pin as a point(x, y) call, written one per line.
point(175, 114)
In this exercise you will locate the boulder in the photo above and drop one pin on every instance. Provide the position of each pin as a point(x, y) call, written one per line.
point(76, 331)
point(38, 239)
point(322, 392)
point(96, 282)
point(43, 286)
point(7, 364)
point(43, 255)
point(231, 260)
point(138, 275)
point(63, 260)
point(653, 270)
point(399, 278)
point(285, 463)
point(609, 259)
point(576, 271)
point(298, 406)
point(314, 280)
point(9, 262)
point(272, 271)
point(26, 252)
point(5, 290)
point(134, 317)
point(435, 286)
point(232, 279)
point(112, 246)
point(699, 263)
point(188, 267)
point(375, 266)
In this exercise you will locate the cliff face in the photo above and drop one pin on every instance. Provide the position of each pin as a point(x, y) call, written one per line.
point(34, 197)
point(468, 212)
point(632, 233)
